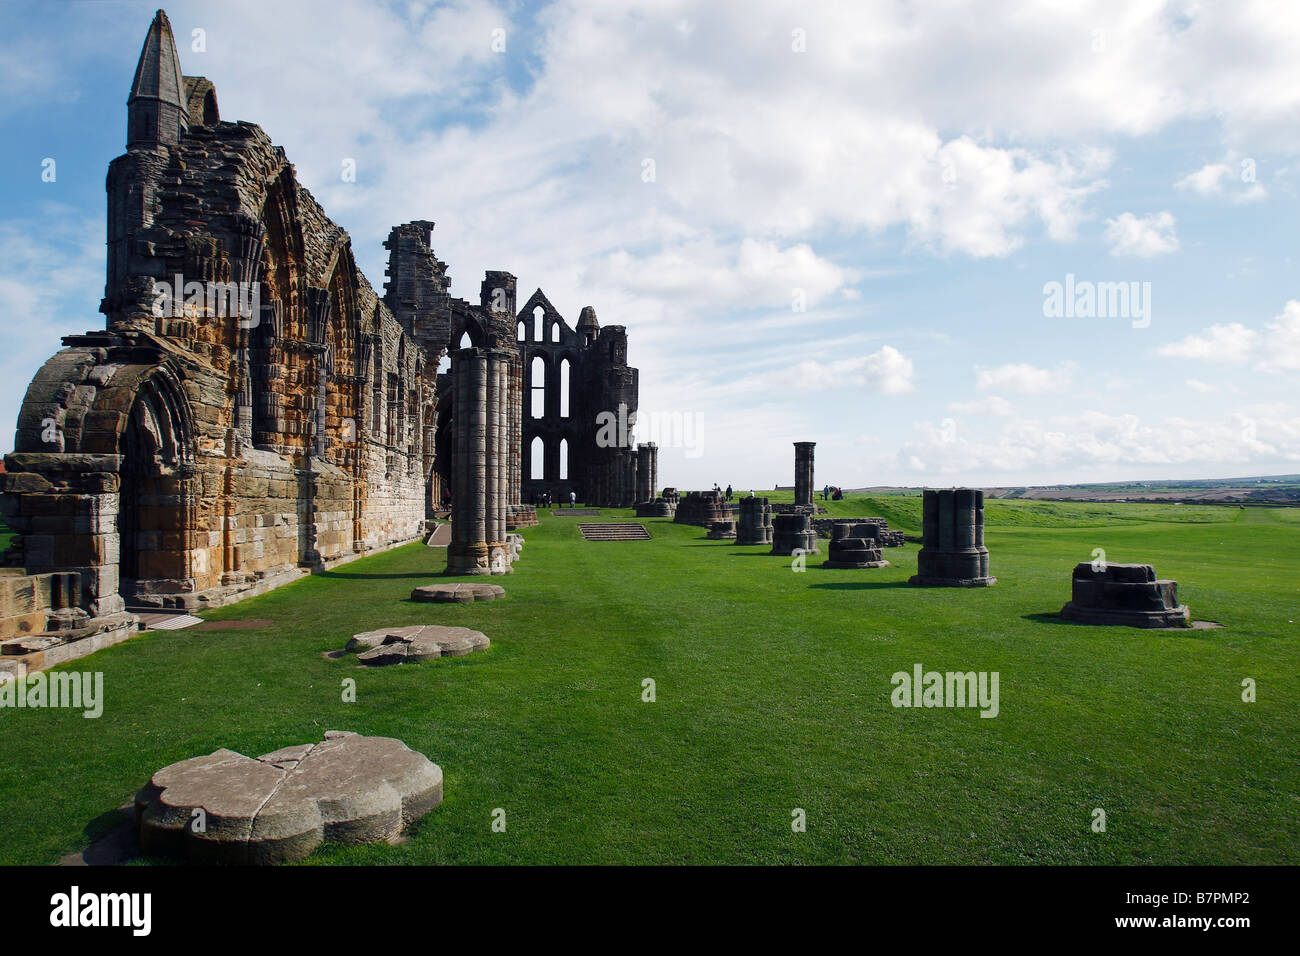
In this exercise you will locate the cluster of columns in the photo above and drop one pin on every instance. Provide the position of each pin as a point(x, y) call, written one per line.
point(481, 482)
point(647, 471)
point(515, 425)
point(613, 478)
point(755, 525)
point(952, 550)
point(803, 472)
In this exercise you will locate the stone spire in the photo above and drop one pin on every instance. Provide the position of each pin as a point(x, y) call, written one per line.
point(156, 112)
point(588, 327)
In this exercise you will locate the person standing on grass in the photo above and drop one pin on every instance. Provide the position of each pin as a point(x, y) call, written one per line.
point(573, 500)
point(728, 492)
point(826, 492)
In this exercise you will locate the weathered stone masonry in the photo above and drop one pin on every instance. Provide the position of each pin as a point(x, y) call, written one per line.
point(253, 409)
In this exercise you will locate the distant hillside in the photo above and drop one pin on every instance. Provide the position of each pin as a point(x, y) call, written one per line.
point(1261, 490)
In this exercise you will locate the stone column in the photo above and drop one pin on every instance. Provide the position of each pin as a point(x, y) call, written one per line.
point(496, 444)
point(952, 551)
point(468, 551)
point(654, 470)
point(755, 525)
point(319, 306)
point(481, 477)
point(644, 477)
point(791, 532)
point(516, 429)
point(803, 472)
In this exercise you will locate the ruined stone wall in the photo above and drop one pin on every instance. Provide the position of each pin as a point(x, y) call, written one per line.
point(253, 409)
point(233, 448)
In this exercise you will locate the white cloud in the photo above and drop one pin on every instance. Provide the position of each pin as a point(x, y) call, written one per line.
point(993, 405)
point(51, 281)
point(770, 164)
point(758, 274)
point(1204, 388)
point(1275, 349)
point(1217, 179)
point(1025, 378)
point(1082, 443)
point(1232, 343)
point(886, 371)
point(1148, 236)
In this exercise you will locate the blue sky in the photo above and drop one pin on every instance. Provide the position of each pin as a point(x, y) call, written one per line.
point(915, 174)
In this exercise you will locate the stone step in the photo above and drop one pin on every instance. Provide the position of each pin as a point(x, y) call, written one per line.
point(155, 621)
point(614, 531)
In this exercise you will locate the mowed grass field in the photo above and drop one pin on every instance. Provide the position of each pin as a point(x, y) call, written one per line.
point(772, 693)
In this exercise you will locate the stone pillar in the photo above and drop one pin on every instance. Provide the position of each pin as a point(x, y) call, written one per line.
point(645, 489)
point(319, 306)
point(793, 531)
point(654, 470)
point(803, 472)
point(468, 551)
point(516, 429)
point(497, 445)
point(952, 551)
point(755, 525)
point(481, 477)
point(855, 544)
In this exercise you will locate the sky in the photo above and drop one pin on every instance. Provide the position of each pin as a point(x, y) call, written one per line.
point(987, 243)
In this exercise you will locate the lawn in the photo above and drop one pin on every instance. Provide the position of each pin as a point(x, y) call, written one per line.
point(772, 693)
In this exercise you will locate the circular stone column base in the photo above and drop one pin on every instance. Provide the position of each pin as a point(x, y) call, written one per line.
point(1174, 617)
point(855, 564)
point(418, 642)
point(463, 593)
point(281, 806)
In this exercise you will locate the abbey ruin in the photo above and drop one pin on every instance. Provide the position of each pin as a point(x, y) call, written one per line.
point(254, 410)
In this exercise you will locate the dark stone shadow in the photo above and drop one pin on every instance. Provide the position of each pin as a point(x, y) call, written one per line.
point(860, 585)
point(113, 839)
point(1194, 628)
point(375, 577)
point(1052, 618)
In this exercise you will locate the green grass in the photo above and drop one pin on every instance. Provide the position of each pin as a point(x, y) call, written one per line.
point(5, 536)
point(772, 693)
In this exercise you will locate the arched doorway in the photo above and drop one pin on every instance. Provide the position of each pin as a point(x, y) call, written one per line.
point(158, 563)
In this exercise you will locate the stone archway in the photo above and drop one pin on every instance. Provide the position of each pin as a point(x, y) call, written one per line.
point(158, 560)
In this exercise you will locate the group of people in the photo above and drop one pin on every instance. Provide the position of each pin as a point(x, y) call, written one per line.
point(543, 499)
point(726, 494)
point(834, 494)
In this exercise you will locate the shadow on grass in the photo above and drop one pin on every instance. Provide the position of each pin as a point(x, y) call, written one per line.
point(1052, 617)
point(374, 577)
point(1055, 618)
point(860, 585)
point(113, 840)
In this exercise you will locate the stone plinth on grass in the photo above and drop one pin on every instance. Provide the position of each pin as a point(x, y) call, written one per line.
point(228, 808)
point(417, 642)
point(1123, 594)
point(855, 545)
point(791, 532)
point(458, 593)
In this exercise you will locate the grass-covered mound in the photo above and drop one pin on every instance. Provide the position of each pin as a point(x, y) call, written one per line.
point(773, 692)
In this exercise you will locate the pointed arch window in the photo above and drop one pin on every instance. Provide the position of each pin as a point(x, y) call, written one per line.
point(537, 459)
point(564, 389)
point(538, 387)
